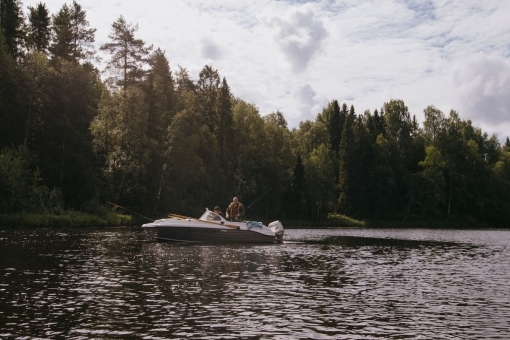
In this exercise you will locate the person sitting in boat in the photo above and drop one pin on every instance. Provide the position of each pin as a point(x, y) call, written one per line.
point(217, 210)
point(235, 210)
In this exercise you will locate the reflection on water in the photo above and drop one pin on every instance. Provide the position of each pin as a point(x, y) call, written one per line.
point(321, 284)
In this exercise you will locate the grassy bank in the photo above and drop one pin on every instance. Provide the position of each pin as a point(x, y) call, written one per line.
point(66, 220)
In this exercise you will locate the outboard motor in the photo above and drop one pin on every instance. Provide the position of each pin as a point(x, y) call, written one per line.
point(277, 227)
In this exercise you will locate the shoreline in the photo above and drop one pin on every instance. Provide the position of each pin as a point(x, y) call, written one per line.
point(73, 219)
point(69, 219)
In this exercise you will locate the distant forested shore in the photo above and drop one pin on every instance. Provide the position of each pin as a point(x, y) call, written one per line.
point(154, 140)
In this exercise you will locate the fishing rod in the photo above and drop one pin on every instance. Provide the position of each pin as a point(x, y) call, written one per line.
point(118, 206)
point(264, 194)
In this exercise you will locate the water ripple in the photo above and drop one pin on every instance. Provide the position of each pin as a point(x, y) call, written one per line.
point(321, 284)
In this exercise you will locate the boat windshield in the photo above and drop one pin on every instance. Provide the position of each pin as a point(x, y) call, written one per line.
point(211, 216)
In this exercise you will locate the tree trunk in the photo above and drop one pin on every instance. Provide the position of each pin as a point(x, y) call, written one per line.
point(425, 209)
point(408, 208)
point(450, 198)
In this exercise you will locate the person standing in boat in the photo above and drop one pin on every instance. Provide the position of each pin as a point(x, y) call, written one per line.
point(235, 210)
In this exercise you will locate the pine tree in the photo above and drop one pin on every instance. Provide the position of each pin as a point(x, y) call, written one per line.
point(128, 55)
point(39, 27)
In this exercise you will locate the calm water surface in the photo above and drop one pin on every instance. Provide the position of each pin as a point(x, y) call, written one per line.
point(320, 284)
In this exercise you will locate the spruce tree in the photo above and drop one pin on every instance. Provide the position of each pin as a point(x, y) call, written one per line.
point(11, 127)
point(11, 25)
point(224, 130)
point(208, 94)
point(82, 35)
point(62, 42)
point(39, 27)
point(334, 126)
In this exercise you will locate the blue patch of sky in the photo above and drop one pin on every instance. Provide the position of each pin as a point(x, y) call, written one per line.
point(443, 40)
point(424, 10)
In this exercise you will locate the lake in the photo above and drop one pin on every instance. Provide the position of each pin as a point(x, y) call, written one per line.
point(343, 283)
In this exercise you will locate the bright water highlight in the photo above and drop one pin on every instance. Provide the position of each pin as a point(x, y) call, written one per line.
point(320, 284)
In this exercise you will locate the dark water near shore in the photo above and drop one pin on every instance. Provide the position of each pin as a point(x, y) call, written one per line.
point(320, 284)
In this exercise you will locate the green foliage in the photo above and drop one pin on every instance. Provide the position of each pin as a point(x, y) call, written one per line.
point(20, 188)
point(320, 181)
point(70, 219)
point(160, 142)
point(39, 27)
point(191, 159)
point(429, 185)
point(11, 26)
point(72, 37)
point(61, 45)
point(120, 134)
point(128, 55)
point(10, 103)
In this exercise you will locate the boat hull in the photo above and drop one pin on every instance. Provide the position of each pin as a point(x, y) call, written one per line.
point(209, 235)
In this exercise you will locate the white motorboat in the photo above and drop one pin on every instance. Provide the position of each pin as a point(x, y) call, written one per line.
point(211, 227)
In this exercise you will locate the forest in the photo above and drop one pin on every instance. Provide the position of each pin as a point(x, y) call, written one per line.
point(138, 133)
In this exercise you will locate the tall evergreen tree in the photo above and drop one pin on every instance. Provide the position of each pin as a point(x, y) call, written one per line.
point(335, 126)
point(39, 27)
point(72, 37)
point(11, 25)
point(159, 91)
point(62, 35)
point(224, 130)
point(128, 55)
point(294, 199)
point(346, 183)
point(82, 34)
point(208, 89)
point(11, 127)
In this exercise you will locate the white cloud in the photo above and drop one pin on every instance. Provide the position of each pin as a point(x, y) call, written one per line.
point(483, 87)
point(210, 50)
point(299, 37)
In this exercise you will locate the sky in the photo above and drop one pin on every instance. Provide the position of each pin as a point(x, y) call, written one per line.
point(296, 56)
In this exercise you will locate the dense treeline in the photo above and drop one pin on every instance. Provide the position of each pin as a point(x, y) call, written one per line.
point(156, 140)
